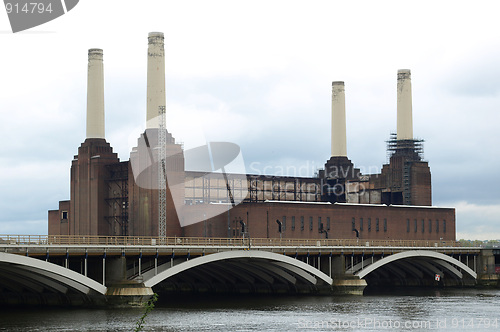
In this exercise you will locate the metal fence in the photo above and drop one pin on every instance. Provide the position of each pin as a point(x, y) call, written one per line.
point(44, 240)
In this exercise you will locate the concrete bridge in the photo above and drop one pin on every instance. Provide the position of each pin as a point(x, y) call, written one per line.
point(119, 270)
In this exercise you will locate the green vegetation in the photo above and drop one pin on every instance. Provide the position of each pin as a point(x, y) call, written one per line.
point(148, 307)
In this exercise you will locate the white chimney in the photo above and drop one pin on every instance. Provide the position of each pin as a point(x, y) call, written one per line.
point(95, 95)
point(405, 122)
point(339, 148)
point(156, 78)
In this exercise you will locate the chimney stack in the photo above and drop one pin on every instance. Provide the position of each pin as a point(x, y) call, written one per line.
point(95, 95)
point(156, 78)
point(339, 148)
point(405, 122)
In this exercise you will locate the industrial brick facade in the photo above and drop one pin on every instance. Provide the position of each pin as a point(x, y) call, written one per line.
point(338, 221)
point(303, 215)
point(113, 198)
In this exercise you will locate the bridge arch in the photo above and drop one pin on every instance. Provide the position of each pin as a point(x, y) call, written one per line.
point(249, 266)
point(19, 273)
point(427, 259)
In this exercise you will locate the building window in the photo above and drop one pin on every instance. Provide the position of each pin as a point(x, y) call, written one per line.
point(430, 226)
point(327, 223)
point(64, 215)
point(376, 225)
point(415, 225)
point(369, 224)
point(283, 224)
point(437, 226)
point(353, 224)
point(385, 225)
point(310, 223)
point(293, 223)
point(320, 225)
point(360, 224)
point(444, 226)
point(302, 223)
point(423, 225)
point(407, 225)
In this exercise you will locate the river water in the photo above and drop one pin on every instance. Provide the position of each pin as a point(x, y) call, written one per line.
point(404, 310)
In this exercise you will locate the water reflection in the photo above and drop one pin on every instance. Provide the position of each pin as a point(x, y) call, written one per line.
point(282, 313)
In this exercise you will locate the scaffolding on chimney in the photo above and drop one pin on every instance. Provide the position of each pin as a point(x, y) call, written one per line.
point(412, 149)
point(407, 151)
point(162, 183)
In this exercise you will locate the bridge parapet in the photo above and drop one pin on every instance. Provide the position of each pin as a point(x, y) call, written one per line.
point(211, 242)
point(44, 246)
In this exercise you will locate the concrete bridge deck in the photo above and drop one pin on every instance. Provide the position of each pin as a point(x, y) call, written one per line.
point(129, 268)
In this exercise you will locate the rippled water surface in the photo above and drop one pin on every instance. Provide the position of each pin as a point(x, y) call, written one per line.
point(411, 310)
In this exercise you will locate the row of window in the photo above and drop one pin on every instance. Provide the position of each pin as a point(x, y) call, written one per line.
point(326, 227)
point(368, 224)
point(362, 225)
point(320, 224)
point(422, 223)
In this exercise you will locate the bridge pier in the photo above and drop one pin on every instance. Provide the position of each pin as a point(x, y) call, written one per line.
point(343, 284)
point(128, 293)
point(487, 276)
point(110, 270)
point(121, 291)
point(348, 285)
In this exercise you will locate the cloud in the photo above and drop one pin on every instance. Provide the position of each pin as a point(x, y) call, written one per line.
point(26, 227)
point(477, 222)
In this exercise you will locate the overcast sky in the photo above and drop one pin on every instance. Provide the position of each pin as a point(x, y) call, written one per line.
point(259, 73)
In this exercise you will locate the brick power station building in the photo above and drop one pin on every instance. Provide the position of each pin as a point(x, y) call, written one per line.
point(163, 190)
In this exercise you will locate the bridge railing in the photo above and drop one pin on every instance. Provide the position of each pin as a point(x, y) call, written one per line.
point(200, 241)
